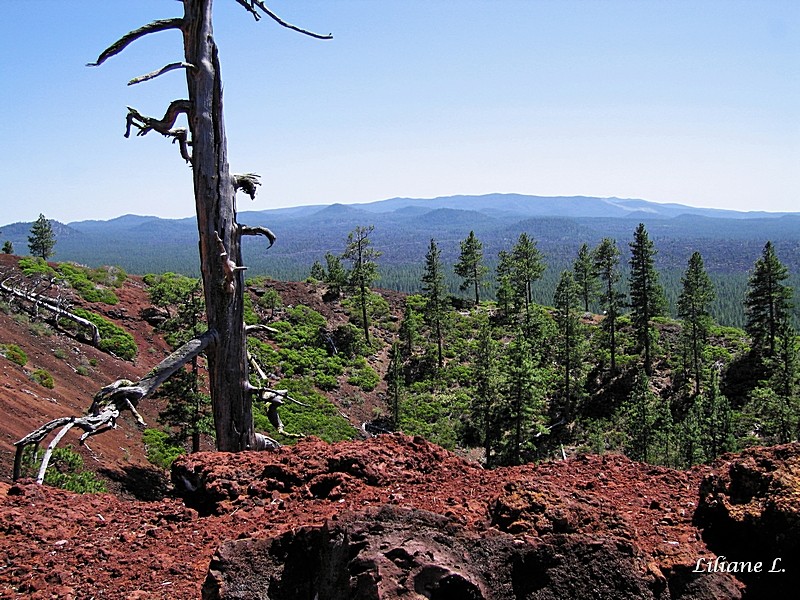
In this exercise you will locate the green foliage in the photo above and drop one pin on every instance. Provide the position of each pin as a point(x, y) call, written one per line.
point(319, 418)
point(43, 378)
point(768, 302)
point(160, 449)
point(113, 339)
point(435, 416)
point(8, 247)
point(65, 470)
point(14, 353)
point(364, 376)
point(82, 279)
point(470, 267)
point(42, 240)
point(36, 266)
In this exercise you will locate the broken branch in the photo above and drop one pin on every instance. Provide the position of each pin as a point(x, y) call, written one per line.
point(247, 230)
point(161, 71)
point(110, 400)
point(229, 268)
point(246, 182)
point(122, 43)
point(251, 8)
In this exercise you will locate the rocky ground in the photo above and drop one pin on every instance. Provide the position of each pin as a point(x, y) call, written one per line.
point(398, 517)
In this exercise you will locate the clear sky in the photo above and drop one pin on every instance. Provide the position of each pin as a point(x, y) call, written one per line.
point(695, 101)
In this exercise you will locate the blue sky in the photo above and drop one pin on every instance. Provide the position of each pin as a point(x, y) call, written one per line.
point(696, 102)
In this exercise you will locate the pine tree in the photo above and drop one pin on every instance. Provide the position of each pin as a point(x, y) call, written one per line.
point(470, 265)
point(187, 408)
point(646, 293)
point(410, 326)
point(565, 301)
point(505, 291)
point(606, 265)
point(696, 296)
point(523, 396)
point(487, 381)
point(585, 276)
point(436, 301)
point(8, 247)
point(363, 270)
point(42, 239)
point(715, 420)
point(639, 417)
point(333, 274)
point(768, 302)
point(526, 267)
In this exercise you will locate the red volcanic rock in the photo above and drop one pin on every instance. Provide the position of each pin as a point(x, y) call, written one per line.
point(750, 513)
point(382, 516)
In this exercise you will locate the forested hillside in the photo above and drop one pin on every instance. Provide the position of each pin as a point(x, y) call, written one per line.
point(729, 241)
point(599, 366)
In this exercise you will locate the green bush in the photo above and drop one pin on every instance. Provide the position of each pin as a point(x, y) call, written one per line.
point(66, 471)
point(82, 279)
point(113, 339)
point(160, 449)
point(319, 417)
point(14, 353)
point(364, 377)
point(78, 278)
point(43, 378)
point(36, 266)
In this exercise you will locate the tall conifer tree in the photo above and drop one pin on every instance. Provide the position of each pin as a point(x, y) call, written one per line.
point(435, 294)
point(646, 293)
point(768, 302)
point(696, 295)
point(470, 265)
point(363, 271)
point(585, 276)
point(606, 265)
point(565, 301)
point(42, 239)
point(526, 267)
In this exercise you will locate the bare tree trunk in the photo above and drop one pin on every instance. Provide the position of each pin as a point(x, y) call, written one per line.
point(216, 216)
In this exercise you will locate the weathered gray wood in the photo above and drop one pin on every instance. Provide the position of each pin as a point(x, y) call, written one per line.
point(56, 310)
point(214, 200)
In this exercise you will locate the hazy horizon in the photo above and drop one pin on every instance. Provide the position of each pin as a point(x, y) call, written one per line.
point(688, 102)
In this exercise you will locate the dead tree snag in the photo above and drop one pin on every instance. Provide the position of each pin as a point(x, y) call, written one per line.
point(219, 235)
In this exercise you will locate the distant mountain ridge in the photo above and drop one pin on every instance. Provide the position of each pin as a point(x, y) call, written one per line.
point(404, 227)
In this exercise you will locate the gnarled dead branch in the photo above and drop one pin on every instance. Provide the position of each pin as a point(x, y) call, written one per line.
point(161, 71)
point(163, 126)
point(229, 268)
point(246, 182)
point(109, 402)
point(247, 230)
point(43, 301)
point(273, 398)
point(122, 43)
point(251, 5)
